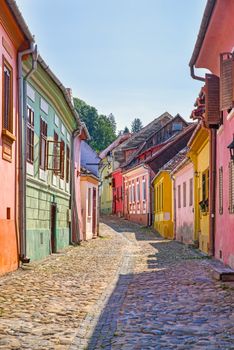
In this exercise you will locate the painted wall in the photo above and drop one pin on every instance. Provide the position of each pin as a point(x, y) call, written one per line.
point(89, 158)
point(43, 186)
point(137, 207)
point(106, 189)
point(87, 183)
point(219, 38)
point(118, 192)
point(163, 219)
point(184, 223)
point(77, 211)
point(10, 39)
point(199, 153)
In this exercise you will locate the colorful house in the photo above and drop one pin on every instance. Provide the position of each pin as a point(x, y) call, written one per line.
point(89, 191)
point(214, 51)
point(165, 199)
point(51, 120)
point(199, 148)
point(183, 201)
point(16, 41)
point(107, 166)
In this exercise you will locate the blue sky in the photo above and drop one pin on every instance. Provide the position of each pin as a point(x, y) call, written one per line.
point(126, 57)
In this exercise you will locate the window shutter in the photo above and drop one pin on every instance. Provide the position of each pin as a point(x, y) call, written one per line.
point(212, 105)
point(221, 190)
point(226, 81)
point(231, 187)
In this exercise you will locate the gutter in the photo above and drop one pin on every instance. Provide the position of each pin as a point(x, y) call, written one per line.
point(22, 87)
point(200, 38)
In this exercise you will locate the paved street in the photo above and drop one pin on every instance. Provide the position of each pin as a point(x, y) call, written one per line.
point(129, 289)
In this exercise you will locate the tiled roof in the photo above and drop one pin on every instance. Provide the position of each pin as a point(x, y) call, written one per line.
point(173, 163)
point(114, 144)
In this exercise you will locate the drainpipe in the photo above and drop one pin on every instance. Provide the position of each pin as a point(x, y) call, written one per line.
point(212, 190)
point(174, 204)
point(22, 87)
point(212, 171)
point(74, 208)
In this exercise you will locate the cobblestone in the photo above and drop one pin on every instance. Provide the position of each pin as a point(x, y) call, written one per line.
point(128, 289)
point(170, 300)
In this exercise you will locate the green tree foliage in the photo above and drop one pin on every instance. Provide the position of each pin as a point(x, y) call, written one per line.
point(126, 130)
point(136, 125)
point(102, 129)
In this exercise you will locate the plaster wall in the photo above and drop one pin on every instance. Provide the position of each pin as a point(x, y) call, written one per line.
point(8, 173)
point(184, 227)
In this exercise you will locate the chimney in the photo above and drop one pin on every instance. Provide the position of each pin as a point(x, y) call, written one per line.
point(69, 92)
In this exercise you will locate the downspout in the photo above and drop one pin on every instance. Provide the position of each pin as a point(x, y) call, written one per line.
point(22, 87)
point(174, 204)
point(74, 228)
point(212, 190)
point(212, 171)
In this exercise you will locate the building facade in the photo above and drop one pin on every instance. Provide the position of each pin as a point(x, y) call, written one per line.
point(14, 39)
point(214, 51)
point(183, 199)
point(51, 121)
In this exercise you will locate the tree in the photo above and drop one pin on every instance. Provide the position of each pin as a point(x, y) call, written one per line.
point(102, 129)
point(136, 125)
point(126, 130)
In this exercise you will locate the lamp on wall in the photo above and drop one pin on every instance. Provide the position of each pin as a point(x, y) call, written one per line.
point(231, 149)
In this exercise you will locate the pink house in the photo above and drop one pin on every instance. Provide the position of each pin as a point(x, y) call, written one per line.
point(14, 39)
point(214, 51)
point(137, 194)
point(184, 209)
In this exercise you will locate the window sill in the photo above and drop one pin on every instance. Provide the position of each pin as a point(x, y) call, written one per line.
point(8, 135)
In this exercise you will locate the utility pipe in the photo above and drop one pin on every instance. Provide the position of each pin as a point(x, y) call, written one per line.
point(212, 190)
point(22, 88)
point(75, 215)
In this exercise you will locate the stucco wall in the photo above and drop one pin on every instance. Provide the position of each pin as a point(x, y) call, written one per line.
point(184, 226)
point(8, 175)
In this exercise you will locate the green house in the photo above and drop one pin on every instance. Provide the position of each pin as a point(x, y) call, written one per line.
point(51, 120)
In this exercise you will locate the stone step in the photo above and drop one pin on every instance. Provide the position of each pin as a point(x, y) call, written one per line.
point(222, 273)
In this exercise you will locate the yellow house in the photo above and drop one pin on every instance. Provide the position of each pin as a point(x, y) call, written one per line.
point(106, 187)
point(163, 222)
point(199, 146)
point(164, 196)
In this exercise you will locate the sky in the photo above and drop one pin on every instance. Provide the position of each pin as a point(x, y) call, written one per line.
point(126, 57)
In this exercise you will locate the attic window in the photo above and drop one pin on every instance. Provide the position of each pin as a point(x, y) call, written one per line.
point(177, 126)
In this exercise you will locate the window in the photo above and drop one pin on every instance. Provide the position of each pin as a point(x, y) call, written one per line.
point(130, 193)
point(221, 190)
point(138, 191)
point(43, 139)
point(205, 185)
point(7, 97)
point(231, 187)
point(143, 190)
point(62, 149)
point(133, 193)
point(67, 164)
point(191, 192)
point(184, 194)
point(179, 196)
point(177, 126)
point(56, 154)
point(89, 201)
point(30, 135)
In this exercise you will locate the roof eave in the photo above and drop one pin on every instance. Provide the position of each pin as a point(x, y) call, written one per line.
point(202, 31)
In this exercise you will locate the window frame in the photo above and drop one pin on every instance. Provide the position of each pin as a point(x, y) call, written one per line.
point(43, 140)
point(30, 135)
point(68, 162)
point(179, 196)
point(221, 190)
point(62, 158)
point(184, 194)
point(6, 64)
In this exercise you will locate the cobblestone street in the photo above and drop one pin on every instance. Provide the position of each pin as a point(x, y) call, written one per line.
point(128, 289)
